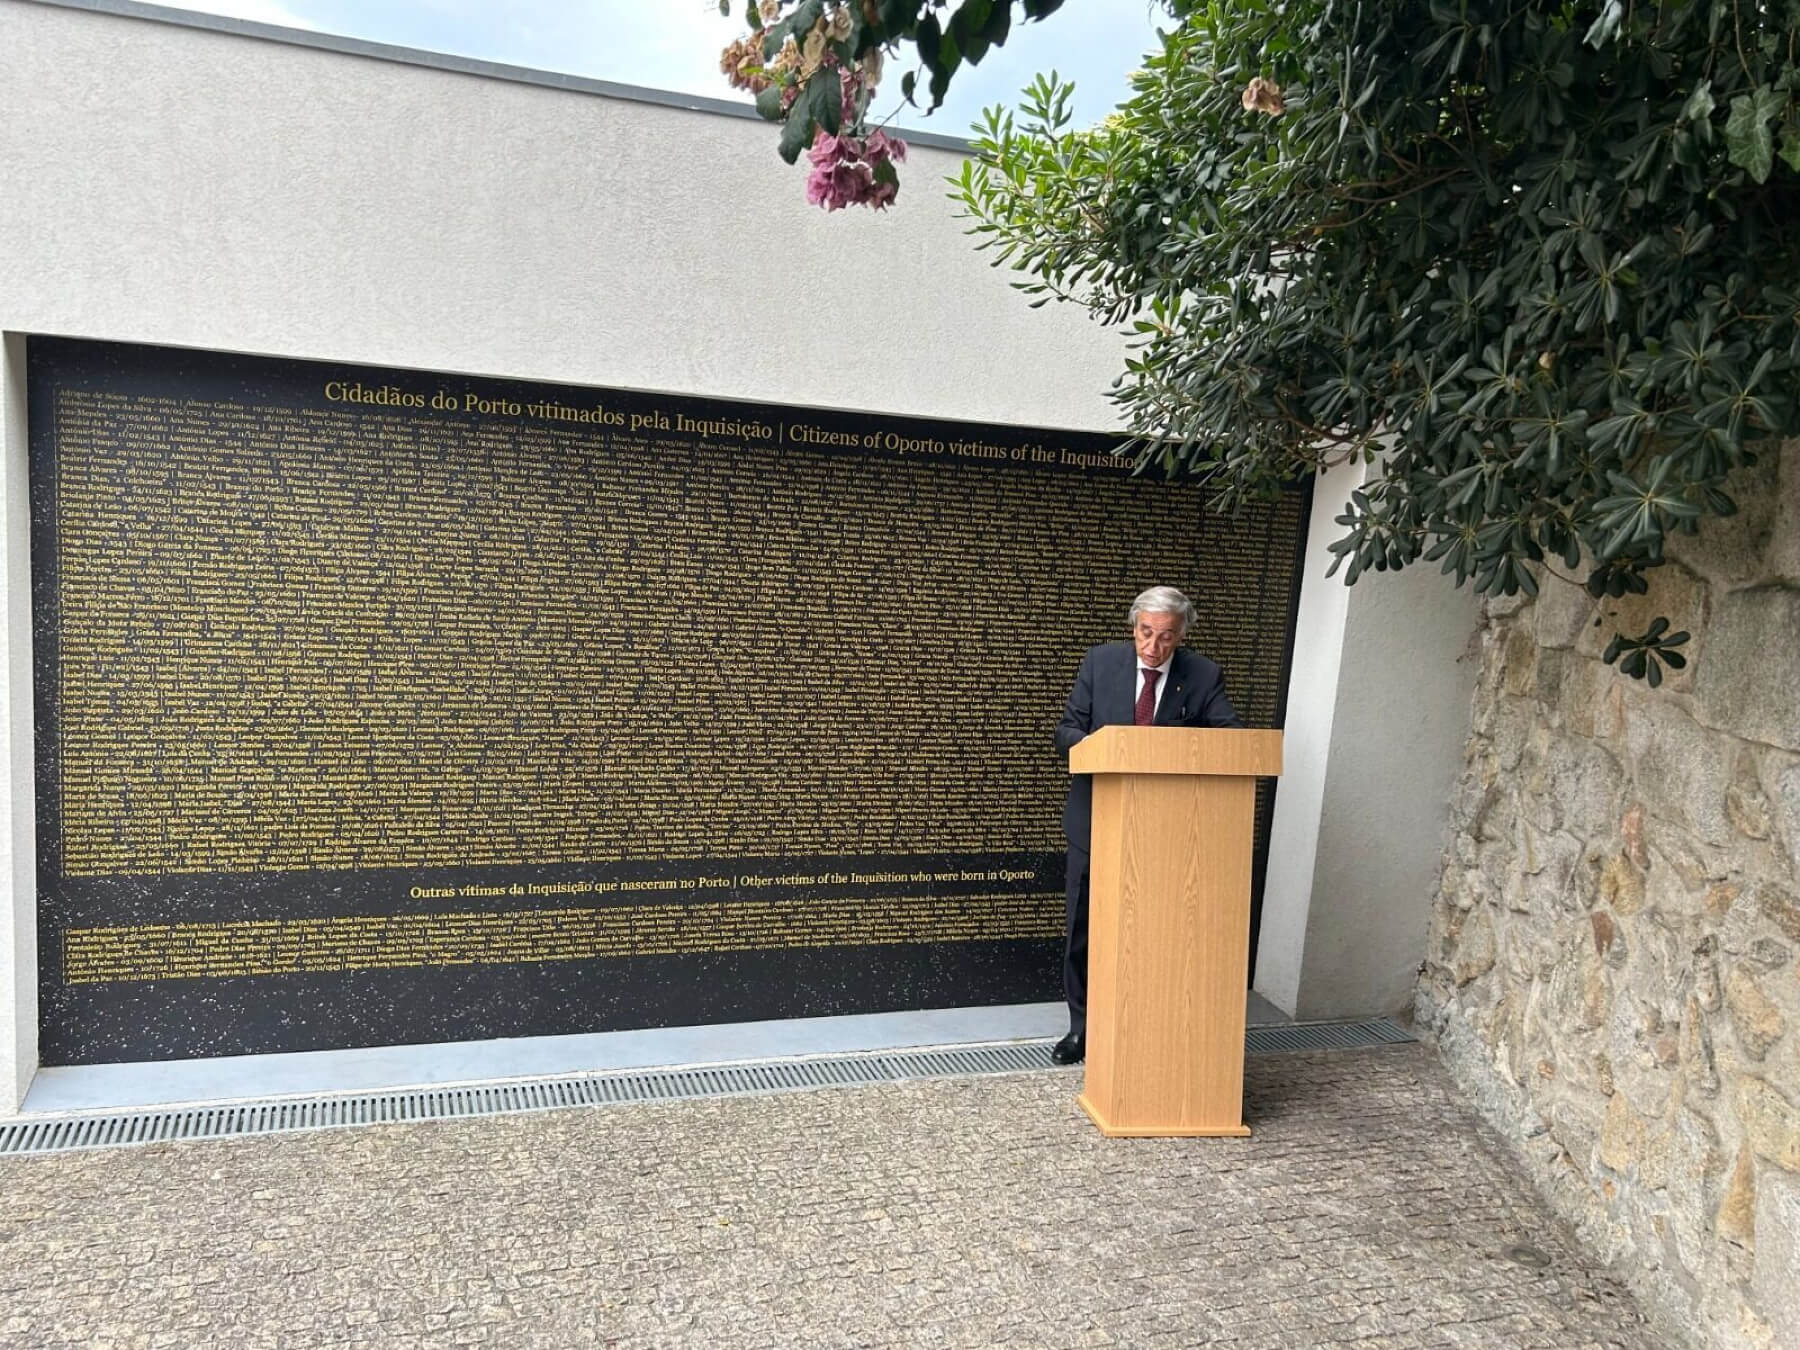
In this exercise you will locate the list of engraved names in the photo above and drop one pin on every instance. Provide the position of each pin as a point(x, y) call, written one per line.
point(348, 636)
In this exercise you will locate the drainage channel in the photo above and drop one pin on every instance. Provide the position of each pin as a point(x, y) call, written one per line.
point(59, 1134)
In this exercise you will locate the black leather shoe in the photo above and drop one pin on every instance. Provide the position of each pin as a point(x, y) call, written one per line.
point(1071, 1049)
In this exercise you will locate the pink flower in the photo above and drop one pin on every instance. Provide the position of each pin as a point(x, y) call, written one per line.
point(854, 171)
point(883, 146)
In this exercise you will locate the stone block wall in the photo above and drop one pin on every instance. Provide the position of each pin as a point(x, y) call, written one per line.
point(1613, 970)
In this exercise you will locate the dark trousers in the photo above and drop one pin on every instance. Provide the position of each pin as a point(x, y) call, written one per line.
point(1075, 942)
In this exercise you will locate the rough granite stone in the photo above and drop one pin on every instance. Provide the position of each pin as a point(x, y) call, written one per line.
point(1781, 907)
point(1782, 560)
point(1766, 954)
point(1777, 1279)
point(1736, 1219)
point(1605, 930)
point(1720, 898)
point(1621, 884)
point(1631, 829)
point(1734, 552)
point(1698, 1060)
point(1680, 769)
point(1771, 1123)
point(1476, 950)
point(1633, 1032)
point(1549, 870)
point(1754, 1016)
point(1586, 695)
point(1684, 1160)
point(1647, 1075)
point(1520, 676)
point(1562, 612)
point(1745, 803)
point(1787, 809)
point(1621, 1135)
point(1748, 686)
point(1584, 779)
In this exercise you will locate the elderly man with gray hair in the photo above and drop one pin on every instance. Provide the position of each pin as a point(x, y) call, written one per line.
point(1150, 680)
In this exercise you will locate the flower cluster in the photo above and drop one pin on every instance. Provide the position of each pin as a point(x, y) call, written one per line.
point(1264, 96)
point(742, 64)
point(854, 167)
point(854, 170)
point(747, 66)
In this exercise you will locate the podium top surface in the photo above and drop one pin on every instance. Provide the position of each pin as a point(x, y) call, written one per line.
point(1215, 751)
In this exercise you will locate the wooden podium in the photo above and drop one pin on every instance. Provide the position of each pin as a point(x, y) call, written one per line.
point(1169, 924)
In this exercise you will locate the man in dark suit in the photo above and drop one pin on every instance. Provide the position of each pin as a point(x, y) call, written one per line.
point(1150, 680)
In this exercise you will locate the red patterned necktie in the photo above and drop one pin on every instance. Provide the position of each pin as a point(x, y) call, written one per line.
point(1146, 704)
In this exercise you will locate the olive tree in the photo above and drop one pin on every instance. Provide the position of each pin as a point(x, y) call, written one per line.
point(1537, 263)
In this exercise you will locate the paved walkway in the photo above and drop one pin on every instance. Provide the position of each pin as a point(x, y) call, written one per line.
point(1368, 1210)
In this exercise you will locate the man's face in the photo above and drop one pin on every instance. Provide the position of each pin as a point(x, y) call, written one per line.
point(1157, 635)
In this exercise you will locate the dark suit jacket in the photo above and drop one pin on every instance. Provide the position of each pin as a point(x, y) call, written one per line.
point(1105, 695)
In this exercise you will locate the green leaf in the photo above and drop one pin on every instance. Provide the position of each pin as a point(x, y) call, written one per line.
point(1606, 25)
point(798, 131)
point(1566, 226)
point(1790, 146)
point(826, 89)
point(768, 103)
point(999, 24)
point(1748, 142)
point(1700, 105)
point(801, 21)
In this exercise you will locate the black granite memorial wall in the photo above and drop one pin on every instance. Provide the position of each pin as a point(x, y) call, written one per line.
point(380, 706)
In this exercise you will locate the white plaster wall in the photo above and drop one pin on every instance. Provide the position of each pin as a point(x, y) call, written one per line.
point(1305, 746)
point(18, 842)
point(168, 185)
point(1378, 710)
point(1405, 678)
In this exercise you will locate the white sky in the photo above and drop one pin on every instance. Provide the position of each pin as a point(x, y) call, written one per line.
point(675, 44)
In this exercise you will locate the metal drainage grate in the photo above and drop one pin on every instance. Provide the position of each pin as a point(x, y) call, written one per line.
point(57, 1134)
point(1325, 1036)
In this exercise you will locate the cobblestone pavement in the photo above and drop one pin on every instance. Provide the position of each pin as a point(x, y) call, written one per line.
point(1368, 1209)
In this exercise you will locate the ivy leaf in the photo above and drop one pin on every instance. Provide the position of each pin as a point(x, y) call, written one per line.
point(1748, 142)
point(1790, 146)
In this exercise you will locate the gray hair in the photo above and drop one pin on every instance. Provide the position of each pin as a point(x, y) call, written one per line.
point(1162, 600)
